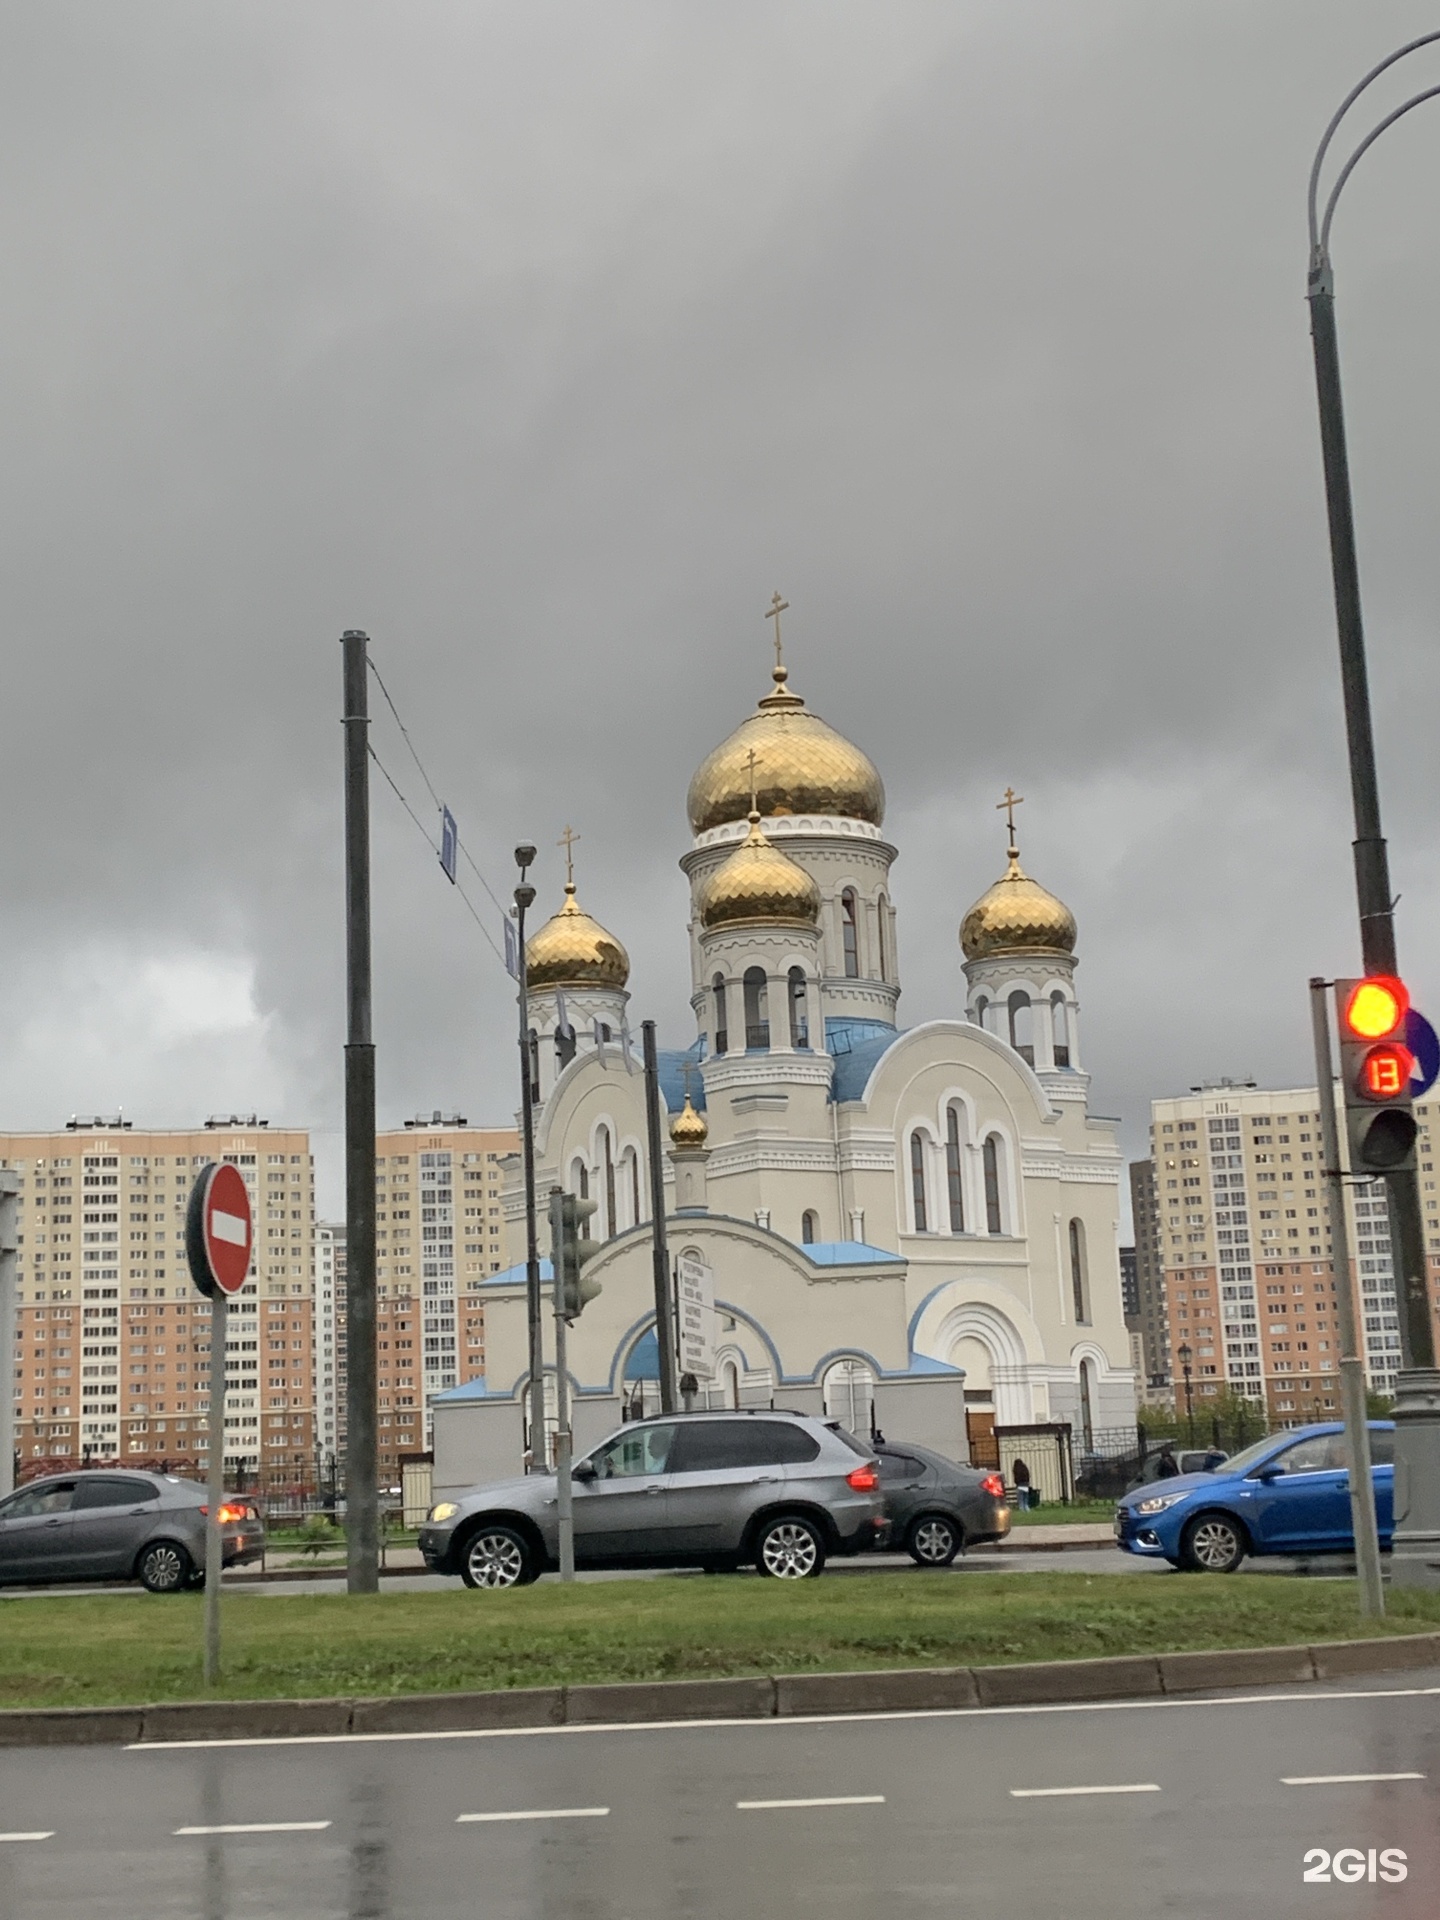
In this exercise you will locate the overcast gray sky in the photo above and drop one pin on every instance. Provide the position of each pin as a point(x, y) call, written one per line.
point(545, 341)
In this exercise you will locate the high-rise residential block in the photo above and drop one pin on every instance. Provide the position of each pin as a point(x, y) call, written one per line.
point(112, 1357)
point(1236, 1223)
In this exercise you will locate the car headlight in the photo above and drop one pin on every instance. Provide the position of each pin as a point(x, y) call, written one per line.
point(1158, 1502)
point(446, 1510)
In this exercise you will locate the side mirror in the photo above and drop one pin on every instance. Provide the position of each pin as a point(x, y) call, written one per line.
point(1272, 1472)
point(583, 1470)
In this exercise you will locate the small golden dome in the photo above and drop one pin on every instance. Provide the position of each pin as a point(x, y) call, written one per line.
point(572, 950)
point(758, 883)
point(801, 766)
point(688, 1128)
point(1017, 915)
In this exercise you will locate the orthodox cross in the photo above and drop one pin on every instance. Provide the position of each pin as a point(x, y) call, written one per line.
point(567, 840)
point(777, 607)
point(686, 1069)
point(754, 807)
point(1007, 806)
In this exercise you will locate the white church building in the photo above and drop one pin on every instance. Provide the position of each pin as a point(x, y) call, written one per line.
point(913, 1229)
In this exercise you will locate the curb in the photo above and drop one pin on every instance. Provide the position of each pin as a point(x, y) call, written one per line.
point(899, 1690)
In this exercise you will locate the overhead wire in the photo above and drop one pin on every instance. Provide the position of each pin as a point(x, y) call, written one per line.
point(469, 903)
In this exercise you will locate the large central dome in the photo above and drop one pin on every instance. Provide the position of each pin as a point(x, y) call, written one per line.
point(801, 766)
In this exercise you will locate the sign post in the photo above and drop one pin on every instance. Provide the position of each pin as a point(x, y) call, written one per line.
point(219, 1234)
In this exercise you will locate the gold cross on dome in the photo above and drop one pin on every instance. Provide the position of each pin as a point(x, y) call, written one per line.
point(777, 607)
point(1007, 806)
point(686, 1069)
point(750, 759)
point(567, 840)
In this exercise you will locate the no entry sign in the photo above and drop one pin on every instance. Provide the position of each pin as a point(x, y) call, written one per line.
point(219, 1231)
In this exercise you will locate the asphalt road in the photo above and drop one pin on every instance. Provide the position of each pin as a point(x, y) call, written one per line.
point(1191, 1810)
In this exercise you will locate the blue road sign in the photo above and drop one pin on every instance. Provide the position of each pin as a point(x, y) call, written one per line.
point(1424, 1043)
point(449, 843)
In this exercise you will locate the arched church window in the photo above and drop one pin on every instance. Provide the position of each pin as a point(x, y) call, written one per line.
point(634, 1160)
point(1059, 1029)
point(1079, 1273)
point(730, 1384)
point(990, 1155)
point(849, 1393)
point(532, 1052)
point(1087, 1405)
point(607, 1162)
point(580, 1179)
point(953, 1178)
point(850, 933)
point(982, 1007)
point(882, 935)
point(799, 1023)
point(722, 1037)
point(809, 1228)
point(757, 1008)
point(917, 1182)
point(1022, 1029)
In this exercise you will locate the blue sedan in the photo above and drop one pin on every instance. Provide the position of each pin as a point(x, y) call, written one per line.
point(1287, 1494)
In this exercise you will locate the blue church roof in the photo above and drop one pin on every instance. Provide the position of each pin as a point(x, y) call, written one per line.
point(515, 1276)
point(849, 1253)
point(856, 1045)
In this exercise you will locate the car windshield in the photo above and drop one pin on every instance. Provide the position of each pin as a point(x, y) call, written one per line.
point(1248, 1457)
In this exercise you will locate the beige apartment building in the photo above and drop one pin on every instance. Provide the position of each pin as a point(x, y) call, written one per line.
point(112, 1337)
point(1234, 1254)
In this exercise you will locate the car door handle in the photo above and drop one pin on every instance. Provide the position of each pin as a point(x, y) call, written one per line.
point(768, 1480)
point(654, 1489)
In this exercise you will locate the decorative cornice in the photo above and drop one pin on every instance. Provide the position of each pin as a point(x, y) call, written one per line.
point(728, 1072)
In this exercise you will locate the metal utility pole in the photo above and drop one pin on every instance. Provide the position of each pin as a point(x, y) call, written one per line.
point(564, 1488)
point(537, 1460)
point(1352, 1359)
point(215, 1487)
point(362, 1514)
point(9, 1280)
point(1416, 1547)
point(664, 1300)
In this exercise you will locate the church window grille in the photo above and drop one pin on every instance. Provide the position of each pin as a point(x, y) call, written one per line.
point(757, 1009)
point(849, 1391)
point(850, 933)
point(608, 1161)
point(917, 1181)
point(809, 1228)
point(990, 1156)
point(799, 1023)
point(953, 1180)
point(722, 1037)
point(1059, 1029)
point(1022, 1026)
point(1079, 1277)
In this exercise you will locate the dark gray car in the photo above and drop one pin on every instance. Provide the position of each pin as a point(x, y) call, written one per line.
point(779, 1491)
point(110, 1524)
point(936, 1507)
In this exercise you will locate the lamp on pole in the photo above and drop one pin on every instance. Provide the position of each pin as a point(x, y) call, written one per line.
point(1184, 1354)
point(1416, 1554)
point(535, 1452)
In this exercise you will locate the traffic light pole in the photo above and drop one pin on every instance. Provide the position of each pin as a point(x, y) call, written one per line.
point(660, 1250)
point(537, 1460)
point(9, 1273)
point(564, 1486)
point(1352, 1360)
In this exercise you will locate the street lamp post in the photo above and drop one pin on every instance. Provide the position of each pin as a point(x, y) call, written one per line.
point(1185, 1355)
point(1415, 1559)
point(536, 1452)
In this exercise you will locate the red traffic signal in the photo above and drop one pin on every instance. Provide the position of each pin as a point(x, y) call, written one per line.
point(1376, 1069)
point(1375, 1007)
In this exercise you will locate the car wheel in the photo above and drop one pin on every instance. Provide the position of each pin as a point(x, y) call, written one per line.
point(789, 1547)
point(496, 1556)
point(165, 1567)
point(1213, 1543)
point(933, 1541)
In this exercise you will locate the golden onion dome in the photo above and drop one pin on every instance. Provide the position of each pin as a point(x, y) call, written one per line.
point(801, 766)
point(1017, 915)
point(758, 884)
point(572, 950)
point(688, 1128)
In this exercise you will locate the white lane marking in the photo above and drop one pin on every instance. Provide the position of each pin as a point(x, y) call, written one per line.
point(228, 1226)
point(260, 1826)
point(1313, 1698)
point(835, 1800)
point(27, 1836)
point(1062, 1793)
point(536, 1813)
point(1341, 1779)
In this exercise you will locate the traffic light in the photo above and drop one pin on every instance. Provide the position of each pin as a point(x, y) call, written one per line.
point(573, 1291)
point(1376, 1067)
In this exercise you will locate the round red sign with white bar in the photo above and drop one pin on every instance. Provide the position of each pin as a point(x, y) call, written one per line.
point(219, 1231)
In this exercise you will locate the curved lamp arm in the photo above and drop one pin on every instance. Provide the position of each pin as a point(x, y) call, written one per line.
point(1317, 235)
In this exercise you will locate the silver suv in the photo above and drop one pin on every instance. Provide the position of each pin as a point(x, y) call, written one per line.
point(777, 1490)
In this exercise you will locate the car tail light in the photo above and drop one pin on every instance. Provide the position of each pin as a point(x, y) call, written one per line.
point(994, 1486)
point(864, 1479)
point(231, 1511)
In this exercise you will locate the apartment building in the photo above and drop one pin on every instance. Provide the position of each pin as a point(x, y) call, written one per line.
point(329, 1316)
point(1151, 1319)
point(1240, 1255)
point(112, 1354)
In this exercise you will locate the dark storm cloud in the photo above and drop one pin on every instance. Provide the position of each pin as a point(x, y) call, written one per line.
point(545, 342)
